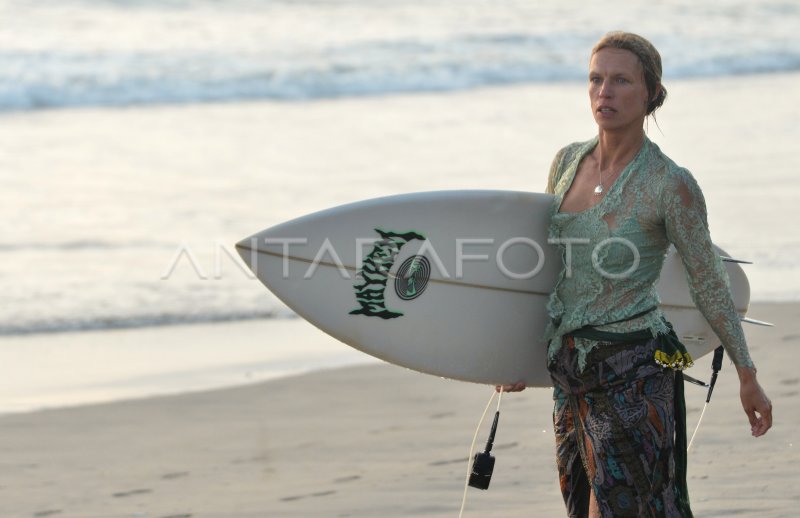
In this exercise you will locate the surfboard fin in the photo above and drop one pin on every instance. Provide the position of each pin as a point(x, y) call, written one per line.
point(732, 260)
point(757, 322)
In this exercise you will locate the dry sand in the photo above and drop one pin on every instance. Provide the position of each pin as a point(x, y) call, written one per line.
point(371, 441)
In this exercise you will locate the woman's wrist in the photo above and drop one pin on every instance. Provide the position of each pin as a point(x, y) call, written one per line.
point(747, 374)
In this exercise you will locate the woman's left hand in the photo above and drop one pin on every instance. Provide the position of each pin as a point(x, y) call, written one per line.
point(512, 387)
point(755, 402)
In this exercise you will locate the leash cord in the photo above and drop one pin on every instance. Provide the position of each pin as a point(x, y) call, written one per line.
point(472, 447)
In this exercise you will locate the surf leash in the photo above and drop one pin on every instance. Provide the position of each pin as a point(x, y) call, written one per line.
point(479, 468)
point(716, 366)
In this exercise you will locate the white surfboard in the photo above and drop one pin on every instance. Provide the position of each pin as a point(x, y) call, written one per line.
point(450, 283)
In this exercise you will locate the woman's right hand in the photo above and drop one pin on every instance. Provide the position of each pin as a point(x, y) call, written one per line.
point(516, 387)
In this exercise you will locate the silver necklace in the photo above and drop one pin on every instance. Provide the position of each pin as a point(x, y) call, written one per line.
point(598, 190)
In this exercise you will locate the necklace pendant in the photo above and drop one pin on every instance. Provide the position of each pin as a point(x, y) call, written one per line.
point(598, 189)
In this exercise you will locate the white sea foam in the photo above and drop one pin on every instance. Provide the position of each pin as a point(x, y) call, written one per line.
point(76, 53)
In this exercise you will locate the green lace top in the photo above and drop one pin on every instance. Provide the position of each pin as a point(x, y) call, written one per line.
point(652, 203)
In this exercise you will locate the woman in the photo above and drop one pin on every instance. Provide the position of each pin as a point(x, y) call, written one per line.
point(614, 360)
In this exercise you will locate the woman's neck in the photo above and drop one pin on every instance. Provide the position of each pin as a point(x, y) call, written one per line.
point(617, 148)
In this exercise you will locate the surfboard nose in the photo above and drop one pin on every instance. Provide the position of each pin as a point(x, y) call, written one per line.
point(247, 250)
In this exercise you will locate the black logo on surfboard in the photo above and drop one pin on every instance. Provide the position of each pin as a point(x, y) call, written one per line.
point(412, 277)
point(374, 273)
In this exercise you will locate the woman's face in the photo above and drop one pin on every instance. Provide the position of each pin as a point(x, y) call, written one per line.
point(617, 89)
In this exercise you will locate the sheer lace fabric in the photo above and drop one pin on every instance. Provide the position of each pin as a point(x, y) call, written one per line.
point(652, 204)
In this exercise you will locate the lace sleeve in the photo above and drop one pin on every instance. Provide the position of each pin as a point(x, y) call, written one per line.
point(684, 212)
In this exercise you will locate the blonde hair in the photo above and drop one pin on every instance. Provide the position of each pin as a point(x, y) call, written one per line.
point(649, 58)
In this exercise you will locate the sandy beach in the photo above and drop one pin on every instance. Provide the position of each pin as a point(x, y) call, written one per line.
point(373, 440)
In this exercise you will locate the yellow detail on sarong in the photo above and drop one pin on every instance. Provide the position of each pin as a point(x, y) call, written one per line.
point(677, 361)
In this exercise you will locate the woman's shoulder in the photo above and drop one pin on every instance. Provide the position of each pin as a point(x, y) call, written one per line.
point(565, 156)
point(570, 151)
point(676, 185)
point(670, 173)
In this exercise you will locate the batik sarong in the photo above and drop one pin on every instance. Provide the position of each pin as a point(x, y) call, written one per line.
point(614, 424)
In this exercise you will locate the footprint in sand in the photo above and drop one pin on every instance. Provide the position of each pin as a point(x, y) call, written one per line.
point(177, 516)
point(441, 415)
point(49, 512)
point(300, 497)
point(792, 381)
point(505, 446)
point(132, 492)
point(446, 462)
point(346, 479)
point(177, 474)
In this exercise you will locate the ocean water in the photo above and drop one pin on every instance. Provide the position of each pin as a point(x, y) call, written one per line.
point(132, 52)
point(126, 220)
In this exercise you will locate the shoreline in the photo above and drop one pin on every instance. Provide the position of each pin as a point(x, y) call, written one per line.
point(140, 363)
point(78, 368)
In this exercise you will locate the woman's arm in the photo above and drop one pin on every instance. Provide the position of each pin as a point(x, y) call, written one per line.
point(684, 211)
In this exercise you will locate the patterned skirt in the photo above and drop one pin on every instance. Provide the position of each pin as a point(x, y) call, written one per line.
point(614, 424)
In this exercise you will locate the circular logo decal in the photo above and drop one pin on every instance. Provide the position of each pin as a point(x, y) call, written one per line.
point(412, 277)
